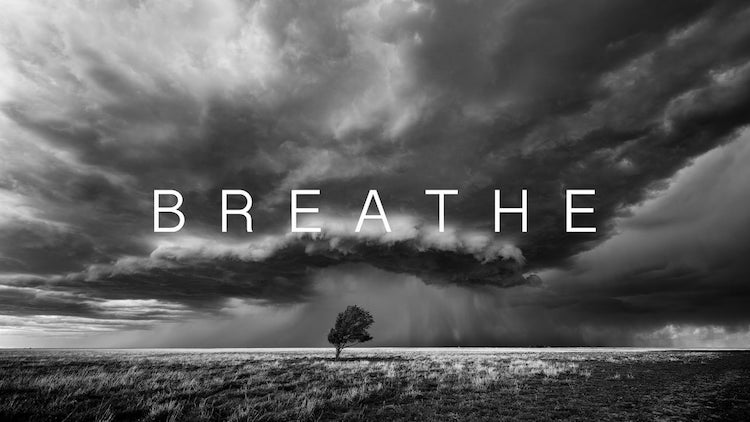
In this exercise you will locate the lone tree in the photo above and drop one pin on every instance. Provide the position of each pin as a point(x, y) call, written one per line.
point(350, 329)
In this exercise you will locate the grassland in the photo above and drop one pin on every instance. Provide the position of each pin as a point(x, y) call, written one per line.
point(373, 384)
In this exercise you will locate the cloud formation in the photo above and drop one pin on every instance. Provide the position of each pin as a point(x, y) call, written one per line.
point(101, 103)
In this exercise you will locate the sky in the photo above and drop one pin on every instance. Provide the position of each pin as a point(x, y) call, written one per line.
point(647, 103)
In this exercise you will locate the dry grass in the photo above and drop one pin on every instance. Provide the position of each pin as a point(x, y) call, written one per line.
point(371, 384)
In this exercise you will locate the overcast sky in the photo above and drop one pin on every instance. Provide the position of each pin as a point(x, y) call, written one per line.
point(647, 103)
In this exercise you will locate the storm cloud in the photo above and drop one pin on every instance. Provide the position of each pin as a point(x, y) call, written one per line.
point(103, 102)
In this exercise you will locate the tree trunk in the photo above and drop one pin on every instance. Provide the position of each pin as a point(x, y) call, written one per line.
point(338, 352)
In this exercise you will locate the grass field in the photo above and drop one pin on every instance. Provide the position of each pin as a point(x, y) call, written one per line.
point(373, 384)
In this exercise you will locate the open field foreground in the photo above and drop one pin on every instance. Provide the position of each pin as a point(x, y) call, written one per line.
point(373, 384)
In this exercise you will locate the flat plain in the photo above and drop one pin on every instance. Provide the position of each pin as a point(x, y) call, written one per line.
point(373, 384)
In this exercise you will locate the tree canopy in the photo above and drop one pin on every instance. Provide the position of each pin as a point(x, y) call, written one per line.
point(350, 328)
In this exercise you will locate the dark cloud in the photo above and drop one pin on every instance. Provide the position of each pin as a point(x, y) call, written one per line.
point(678, 259)
point(203, 279)
point(42, 248)
point(106, 105)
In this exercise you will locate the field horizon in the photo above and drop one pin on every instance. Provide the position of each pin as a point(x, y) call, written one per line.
point(374, 383)
point(509, 349)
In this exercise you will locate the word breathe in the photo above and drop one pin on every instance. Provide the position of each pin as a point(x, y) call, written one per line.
point(372, 196)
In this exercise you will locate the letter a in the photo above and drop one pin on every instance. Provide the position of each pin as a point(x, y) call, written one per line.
point(373, 194)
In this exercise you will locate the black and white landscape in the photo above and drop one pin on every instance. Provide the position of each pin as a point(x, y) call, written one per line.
point(476, 174)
